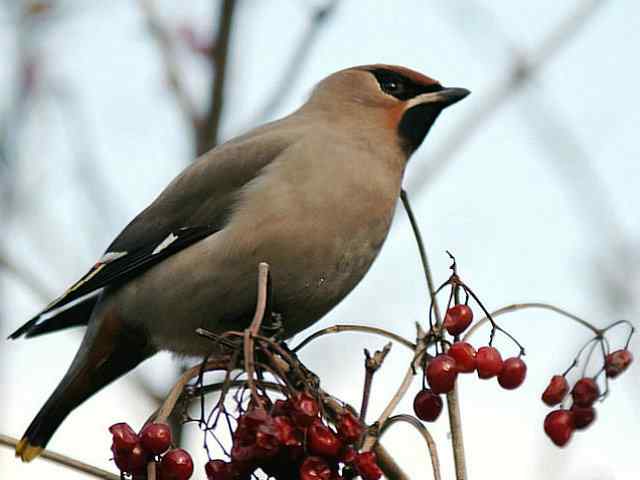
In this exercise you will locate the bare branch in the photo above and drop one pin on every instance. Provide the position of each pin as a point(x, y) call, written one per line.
point(69, 462)
point(371, 365)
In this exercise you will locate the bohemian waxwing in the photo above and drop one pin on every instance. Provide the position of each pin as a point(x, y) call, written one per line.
point(312, 194)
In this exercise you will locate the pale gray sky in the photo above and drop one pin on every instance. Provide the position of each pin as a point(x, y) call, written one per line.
point(513, 203)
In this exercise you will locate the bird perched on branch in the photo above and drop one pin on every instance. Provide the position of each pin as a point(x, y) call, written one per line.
point(312, 194)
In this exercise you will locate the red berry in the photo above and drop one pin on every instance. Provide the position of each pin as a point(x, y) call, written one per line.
point(254, 417)
point(367, 466)
point(585, 392)
point(427, 405)
point(442, 373)
point(617, 362)
point(176, 464)
point(155, 438)
point(322, 441)
point(315, 468)
point(555, 391)
point(133, 462)
point(513, 372)
point(305, 409)
point(242, 454)
point(583, 416)
point(218, 470)
point(124, 438)
point(286, 431)
point(348, 455)
point(464, 355)
point(267, 439)
point(488, 362)
point(559, 426)
point(349, 427)
point(457, 319)
point(281, 408)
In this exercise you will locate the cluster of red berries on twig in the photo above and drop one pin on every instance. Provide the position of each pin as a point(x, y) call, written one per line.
point(132, 452)
point(459, 357)
point(560, 424)
point(291, 439)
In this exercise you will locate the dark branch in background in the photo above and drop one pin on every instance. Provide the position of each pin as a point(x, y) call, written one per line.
point(167, 50)
point(292, 71)
point(207, 130)
point(522, 71)
point(206, 126)
point(31, 281)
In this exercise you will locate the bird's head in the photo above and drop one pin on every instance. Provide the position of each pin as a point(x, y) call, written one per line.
point(400, 100)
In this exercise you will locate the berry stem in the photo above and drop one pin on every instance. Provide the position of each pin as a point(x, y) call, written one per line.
point(418, 425)
point(354, 328)
point(423, 254)
point(452, 400)
point(522, 306)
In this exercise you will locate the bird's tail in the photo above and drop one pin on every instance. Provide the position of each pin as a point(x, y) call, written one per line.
point(105, 354)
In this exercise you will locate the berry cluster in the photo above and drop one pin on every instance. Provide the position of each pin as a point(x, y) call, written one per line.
point(290, 439)
point(560, 424)
point(458, 357)
point(132, 452)
point(442, 371)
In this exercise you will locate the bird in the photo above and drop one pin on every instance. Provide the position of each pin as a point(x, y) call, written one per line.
point(312, 194)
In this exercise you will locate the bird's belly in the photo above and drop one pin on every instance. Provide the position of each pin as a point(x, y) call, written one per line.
point(213, 283)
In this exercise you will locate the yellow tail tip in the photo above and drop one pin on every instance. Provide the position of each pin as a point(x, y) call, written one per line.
point(26, 451)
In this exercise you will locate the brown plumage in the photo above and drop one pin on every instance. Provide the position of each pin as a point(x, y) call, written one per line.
point(312, 194)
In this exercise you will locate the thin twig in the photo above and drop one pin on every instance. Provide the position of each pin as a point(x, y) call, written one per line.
point(423, 254)
point(371, 439)
point(69, 462)
point(431, 445)
point(254, 328)
point(172, 398)
point(167, 51)
point(371, 366)
point(453, 405)
point(388, 465)
point(208, 129)
point(355, 328)
point(522, 306)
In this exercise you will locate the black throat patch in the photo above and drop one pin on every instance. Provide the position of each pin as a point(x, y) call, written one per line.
point(416, 122)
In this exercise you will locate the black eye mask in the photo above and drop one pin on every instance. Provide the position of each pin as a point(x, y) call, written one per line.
point(401, 87)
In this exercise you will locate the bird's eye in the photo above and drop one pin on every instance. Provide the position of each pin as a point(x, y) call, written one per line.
point(390, 86)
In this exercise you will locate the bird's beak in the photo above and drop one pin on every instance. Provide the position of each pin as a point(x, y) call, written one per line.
point(442, 98)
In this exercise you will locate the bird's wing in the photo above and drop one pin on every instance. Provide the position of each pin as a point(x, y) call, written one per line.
point(195, 205)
